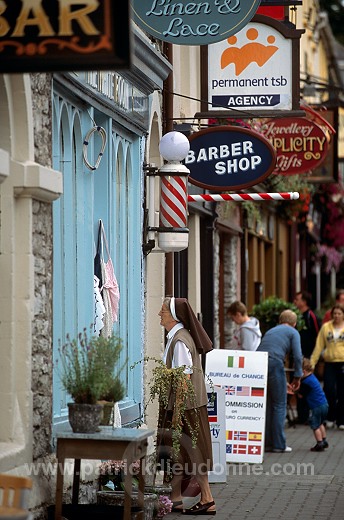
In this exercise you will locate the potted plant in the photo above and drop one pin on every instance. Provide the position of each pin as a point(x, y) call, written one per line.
point(112, 474)
point(112, 484)
point(112, 390)
point(89, 370)
point(163, 506)
point(108, 398)
point(161, 380)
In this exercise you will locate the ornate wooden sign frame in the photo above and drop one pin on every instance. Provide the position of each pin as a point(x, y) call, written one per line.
point(56, 35)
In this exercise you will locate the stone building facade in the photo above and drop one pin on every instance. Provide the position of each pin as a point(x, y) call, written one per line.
point(42, 248)
point(30, 188)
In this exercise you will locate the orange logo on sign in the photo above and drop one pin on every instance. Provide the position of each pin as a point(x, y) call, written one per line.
point(254, 52)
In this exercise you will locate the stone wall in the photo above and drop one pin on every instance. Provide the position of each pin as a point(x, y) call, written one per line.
point(42, 329)
point(41, 86)
point(42, 243)
point(230, 244)
point(230, 272)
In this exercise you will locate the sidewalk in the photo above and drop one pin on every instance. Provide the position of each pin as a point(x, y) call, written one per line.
point(300, 485)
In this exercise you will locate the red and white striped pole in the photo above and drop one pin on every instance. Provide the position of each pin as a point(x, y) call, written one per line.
point(173, 201)
point(173, 232)
point(241, 197)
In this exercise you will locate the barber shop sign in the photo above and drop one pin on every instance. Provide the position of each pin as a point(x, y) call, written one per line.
point(228, 158)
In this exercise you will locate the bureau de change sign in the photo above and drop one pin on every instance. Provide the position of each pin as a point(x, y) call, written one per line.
point(56, 35)
point(193, 23)
point(228, 158)
point(243, 376)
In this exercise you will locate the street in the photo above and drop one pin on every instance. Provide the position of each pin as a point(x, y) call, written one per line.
point(297, 485)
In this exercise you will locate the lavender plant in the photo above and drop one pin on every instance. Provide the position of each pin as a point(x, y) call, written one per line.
point(90, 367)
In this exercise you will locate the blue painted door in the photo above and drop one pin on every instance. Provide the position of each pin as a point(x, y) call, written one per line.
point(112, 193)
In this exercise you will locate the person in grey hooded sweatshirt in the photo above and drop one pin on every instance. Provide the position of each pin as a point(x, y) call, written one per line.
point(247, 335)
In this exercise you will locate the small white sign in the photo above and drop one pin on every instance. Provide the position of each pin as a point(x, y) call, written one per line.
point(243, 376)
point(251, 70)
point(217, 424)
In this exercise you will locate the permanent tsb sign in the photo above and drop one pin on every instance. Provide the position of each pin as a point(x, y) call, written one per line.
point(255, 68)
point(193, 23)
point(228, 158)
point(56, 35)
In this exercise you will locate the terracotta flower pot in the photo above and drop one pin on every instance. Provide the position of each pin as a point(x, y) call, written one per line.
point(84, 418)
point(107, 412)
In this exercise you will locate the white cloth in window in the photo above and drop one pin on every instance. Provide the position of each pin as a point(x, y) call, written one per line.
point(99, 309)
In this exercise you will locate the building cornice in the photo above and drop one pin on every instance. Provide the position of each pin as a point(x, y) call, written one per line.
point(149, 67)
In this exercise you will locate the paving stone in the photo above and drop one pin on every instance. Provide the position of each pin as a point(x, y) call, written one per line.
point(309, 484)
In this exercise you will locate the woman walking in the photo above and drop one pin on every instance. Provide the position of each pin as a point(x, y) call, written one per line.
point(330, 343)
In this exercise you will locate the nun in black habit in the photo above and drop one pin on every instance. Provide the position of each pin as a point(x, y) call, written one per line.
point(186, 341)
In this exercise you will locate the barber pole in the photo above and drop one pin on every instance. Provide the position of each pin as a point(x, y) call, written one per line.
point(241, 197)
point(173, 202)
point(173, 235)
point(173, 231)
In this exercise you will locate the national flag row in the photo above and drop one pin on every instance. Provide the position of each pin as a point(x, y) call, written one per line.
point(245, 391)
point(234, 435)
point(242, 449)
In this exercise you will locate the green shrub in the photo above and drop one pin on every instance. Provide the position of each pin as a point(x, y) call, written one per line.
point(89, 368)
point(269, 310)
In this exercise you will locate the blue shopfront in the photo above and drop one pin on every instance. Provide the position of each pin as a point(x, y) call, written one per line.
point(101, 120)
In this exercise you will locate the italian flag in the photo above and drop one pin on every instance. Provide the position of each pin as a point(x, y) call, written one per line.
point(236, 362)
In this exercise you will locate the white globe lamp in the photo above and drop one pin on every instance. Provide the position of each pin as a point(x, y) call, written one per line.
point(174, 146)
